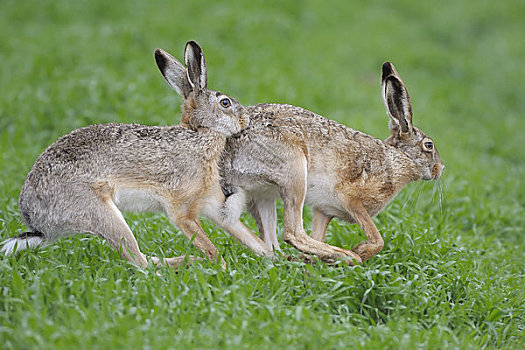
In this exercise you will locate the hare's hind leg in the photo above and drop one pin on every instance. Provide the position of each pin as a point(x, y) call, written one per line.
point(114, 229)
point(293, 192)
point(366, 249)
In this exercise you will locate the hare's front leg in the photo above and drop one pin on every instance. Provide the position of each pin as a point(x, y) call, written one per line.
point(227, 216)
point(184, 218)
point(175, 261)
point(375, 242)
point(320, 223)
point(226, 213)
point(264, 213)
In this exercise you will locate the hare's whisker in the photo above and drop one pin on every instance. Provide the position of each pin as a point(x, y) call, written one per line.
point(441, 198)
point(420, 185)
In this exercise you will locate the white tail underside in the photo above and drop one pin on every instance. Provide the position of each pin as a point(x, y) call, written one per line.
point(19, 243)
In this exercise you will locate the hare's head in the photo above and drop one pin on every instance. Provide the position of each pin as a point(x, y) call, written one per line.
point(404, 136)
point(202, 108)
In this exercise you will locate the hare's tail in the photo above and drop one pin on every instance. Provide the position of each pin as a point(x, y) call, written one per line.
point(22, 241)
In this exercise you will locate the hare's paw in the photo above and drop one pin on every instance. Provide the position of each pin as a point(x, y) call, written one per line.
point(345, 256)
point(351, 258)
point(304, 258)
point(175, 261)
point(366, 250)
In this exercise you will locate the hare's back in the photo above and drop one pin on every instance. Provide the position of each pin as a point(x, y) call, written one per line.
point(321, 136)
point(120, 153)
point(313, 127)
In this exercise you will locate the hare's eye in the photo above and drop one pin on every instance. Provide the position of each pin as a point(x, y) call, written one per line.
point(225, 102)
point(429, 145)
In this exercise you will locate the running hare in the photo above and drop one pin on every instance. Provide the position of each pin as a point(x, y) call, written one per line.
point(82, 181)
point(339, 172)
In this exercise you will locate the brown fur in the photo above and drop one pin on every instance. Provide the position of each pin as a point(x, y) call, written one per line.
point(349, 175)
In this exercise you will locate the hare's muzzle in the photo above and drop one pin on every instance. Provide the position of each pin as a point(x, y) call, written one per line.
point(437, 169)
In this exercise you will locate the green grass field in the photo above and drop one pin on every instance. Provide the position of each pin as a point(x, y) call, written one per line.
point(452, 273)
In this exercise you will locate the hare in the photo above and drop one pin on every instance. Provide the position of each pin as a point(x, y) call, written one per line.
point(290, 152)
point(81, 183)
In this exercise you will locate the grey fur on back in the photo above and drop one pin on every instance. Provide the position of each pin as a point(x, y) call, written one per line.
point(81, 182)
point(168, 158)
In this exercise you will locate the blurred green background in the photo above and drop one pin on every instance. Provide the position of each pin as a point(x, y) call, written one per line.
point(67, 64)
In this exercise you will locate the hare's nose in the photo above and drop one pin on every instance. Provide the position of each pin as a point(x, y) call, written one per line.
point(437, 169)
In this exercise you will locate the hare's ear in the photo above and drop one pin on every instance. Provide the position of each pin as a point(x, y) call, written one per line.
point(194, 58)
point(174, 72)
point(396, 99)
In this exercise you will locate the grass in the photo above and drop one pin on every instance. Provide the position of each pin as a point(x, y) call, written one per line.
point(451, 274)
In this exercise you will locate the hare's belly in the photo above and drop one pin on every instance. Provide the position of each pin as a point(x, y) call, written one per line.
point(321, 195)
point(137, 200)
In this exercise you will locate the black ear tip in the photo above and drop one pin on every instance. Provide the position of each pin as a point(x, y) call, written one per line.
point(158, 55)
point(193, 43)
point(194, 47)
point(388, 69)
point(161, 59)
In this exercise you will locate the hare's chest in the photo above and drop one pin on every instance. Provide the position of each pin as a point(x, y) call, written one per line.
point(375, 193)
point(331, 196)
